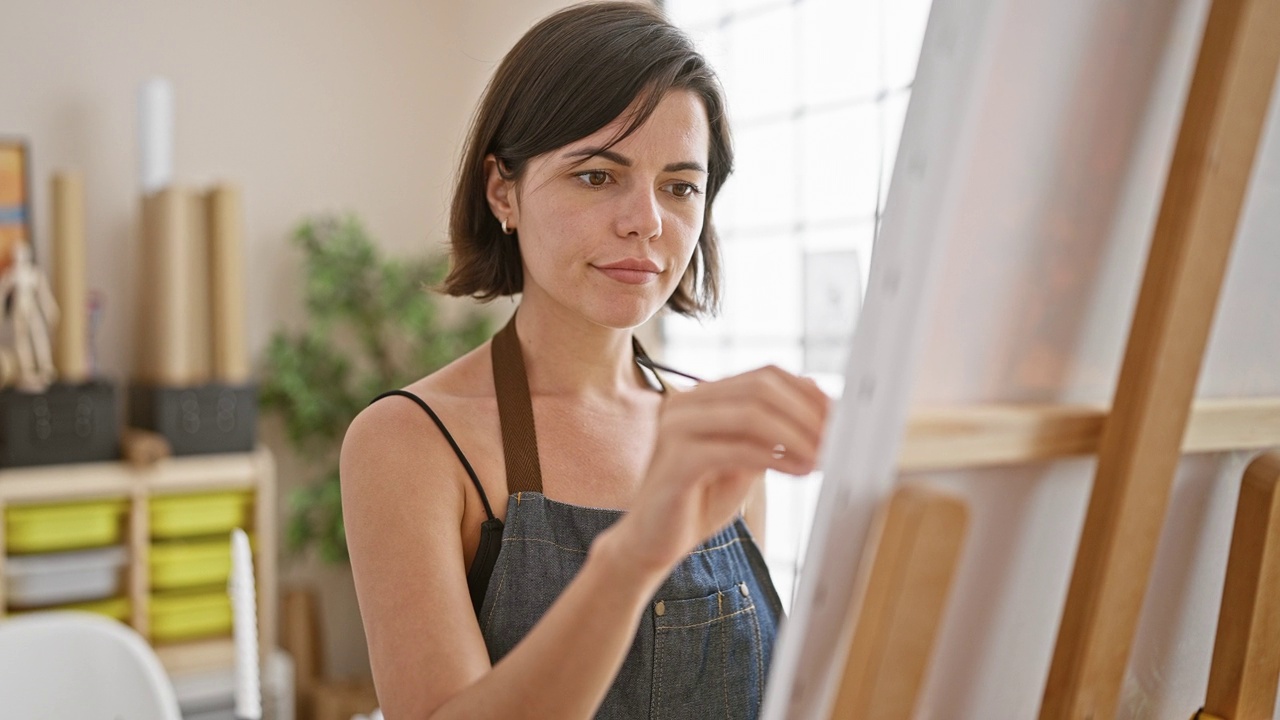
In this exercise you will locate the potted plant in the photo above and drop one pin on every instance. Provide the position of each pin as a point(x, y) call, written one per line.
point(374, 326)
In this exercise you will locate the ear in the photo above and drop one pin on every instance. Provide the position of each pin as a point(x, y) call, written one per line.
point(501, 194)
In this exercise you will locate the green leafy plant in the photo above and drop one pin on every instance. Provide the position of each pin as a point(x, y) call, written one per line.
point(374, 326)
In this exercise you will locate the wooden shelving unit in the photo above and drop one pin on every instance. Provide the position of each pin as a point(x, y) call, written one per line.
point(253, 471)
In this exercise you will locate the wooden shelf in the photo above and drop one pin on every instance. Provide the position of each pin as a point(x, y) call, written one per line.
point(253, 471)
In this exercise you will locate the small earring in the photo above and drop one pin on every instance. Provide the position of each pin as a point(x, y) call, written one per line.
point(506, 231)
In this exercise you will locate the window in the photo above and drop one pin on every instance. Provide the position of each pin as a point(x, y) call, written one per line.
point(817, 93)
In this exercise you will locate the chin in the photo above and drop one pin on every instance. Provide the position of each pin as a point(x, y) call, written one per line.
point(622, 313)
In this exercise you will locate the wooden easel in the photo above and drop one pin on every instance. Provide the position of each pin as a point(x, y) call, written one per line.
point(1138, 442)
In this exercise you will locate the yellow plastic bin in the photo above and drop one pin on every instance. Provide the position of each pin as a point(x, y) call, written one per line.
point(189, 563)
point(63, 526)
point(116, 608)
point(175, 516)
point(188, 615)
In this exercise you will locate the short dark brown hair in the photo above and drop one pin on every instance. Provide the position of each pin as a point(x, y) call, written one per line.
point(573, 73)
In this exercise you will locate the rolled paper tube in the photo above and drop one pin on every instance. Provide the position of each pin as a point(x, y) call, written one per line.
point(69, 286)
point(226, 284)
point(155, 134)
point(164, 345)
point(197, 292)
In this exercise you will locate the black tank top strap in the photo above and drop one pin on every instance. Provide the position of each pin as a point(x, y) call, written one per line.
point(452, 443)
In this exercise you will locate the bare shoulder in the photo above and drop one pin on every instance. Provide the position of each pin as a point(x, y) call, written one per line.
point(394, 438)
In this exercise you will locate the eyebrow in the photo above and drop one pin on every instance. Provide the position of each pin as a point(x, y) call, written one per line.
point(611, 156)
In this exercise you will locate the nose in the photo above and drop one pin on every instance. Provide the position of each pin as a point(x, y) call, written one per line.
point(639, 215)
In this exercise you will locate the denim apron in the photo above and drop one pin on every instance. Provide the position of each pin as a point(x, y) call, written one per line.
point(703, 646)
point(704, 643)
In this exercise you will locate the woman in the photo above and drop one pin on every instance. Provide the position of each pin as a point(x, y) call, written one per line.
point(618, 578)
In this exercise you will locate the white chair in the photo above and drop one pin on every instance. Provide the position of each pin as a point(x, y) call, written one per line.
point(79, 665)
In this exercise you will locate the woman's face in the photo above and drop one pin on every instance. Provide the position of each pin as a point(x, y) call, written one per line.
point(608, 239)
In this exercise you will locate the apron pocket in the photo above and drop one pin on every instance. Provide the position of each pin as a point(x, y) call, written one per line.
point(707, 659)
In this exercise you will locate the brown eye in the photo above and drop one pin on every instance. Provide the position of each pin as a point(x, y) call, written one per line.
point(594, 178)
point(684, 190)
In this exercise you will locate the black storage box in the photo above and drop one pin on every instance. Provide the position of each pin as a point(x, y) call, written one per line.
point(198, 419)
point(67, 423)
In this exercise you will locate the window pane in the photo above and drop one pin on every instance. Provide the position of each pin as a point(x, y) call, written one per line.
point(744, 8)
point(712, 42)
point(762, 191)
point(762, 288)
point(763, 61)
point(904, 24)
point(748, 354)
point(677, 327)
point(834, 70)
point(856, 236)
point(705, 359)
point(697, 14)
point(840, 163)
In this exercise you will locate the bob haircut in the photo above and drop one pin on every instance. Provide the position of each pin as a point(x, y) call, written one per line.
point(573, 73)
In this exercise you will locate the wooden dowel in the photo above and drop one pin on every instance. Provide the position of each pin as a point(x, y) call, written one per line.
point(919, 545)
point(1246, 653)
point(985, 435)
point(1139, 452)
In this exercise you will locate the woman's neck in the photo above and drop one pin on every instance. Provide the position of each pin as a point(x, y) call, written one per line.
point(567, 355)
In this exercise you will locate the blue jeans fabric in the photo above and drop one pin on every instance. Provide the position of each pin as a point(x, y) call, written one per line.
point(703, 647)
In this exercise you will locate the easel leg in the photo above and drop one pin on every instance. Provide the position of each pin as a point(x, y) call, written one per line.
point(1246, 654)
point(919, 547)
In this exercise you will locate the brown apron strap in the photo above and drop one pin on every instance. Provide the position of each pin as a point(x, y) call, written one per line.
point(515, 409)
point(515, 412)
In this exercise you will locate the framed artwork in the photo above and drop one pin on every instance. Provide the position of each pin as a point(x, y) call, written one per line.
point(15, 197)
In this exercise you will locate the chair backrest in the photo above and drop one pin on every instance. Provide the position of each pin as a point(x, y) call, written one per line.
point(79, 665)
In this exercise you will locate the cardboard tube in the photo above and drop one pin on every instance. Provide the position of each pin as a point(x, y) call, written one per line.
point(69, 285)
point(163, 334)
point(226, 284)
point(197, 288)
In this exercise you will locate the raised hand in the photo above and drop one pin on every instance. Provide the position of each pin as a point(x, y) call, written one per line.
point(714, 441)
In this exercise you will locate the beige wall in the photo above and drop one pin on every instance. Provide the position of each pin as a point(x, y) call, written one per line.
point(310, 106)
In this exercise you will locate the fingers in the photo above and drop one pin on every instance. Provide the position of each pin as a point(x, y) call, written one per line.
point(721, 454)
point(768, 407)
point(749, 420)
point(771, 405)
point(787, 394)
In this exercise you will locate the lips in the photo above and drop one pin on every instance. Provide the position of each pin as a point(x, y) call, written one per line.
point(632, 271)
